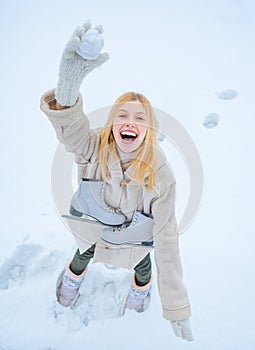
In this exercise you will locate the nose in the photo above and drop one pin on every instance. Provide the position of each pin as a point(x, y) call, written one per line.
point(130, 124)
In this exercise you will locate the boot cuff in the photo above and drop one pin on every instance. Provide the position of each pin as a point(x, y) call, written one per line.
point(73, 275)
point(141, 288)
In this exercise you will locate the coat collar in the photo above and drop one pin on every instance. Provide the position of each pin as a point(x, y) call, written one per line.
point(116, 169)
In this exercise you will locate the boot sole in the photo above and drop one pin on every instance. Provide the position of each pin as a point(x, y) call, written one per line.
point(77, 215)
point(89, 219)
point(134, 243)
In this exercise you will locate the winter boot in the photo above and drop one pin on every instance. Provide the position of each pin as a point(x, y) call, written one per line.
point(138, 298)
point(89, 200)
point(139, 231)
point(68, 285)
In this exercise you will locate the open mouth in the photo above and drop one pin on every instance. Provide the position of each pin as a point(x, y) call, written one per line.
point(128, 136)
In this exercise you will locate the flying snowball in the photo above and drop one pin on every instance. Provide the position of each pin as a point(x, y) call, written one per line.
point(227, 94)
point(91, 45)
point(211, 120)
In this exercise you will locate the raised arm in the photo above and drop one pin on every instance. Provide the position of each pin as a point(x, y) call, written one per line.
point(63, 106)
point(74, 68)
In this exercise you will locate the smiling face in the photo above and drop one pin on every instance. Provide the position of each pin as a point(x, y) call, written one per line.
point(130, 126)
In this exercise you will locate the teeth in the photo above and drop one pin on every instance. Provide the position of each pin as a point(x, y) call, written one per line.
point(128, 133)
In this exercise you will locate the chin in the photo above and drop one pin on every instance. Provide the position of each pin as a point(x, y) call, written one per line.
point(128, 148)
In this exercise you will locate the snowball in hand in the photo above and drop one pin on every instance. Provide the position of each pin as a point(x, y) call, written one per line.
point(211, 120)
point(91, 45)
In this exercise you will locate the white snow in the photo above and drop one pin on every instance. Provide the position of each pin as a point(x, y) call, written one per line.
point(187, 57)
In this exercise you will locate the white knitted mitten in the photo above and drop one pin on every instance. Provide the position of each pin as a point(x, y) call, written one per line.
point(73, 68)
point(182, 329)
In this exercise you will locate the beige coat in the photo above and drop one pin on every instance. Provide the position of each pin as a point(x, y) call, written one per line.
point(72, 129)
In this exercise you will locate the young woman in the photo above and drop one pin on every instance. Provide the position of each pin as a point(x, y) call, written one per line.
point(139, 190)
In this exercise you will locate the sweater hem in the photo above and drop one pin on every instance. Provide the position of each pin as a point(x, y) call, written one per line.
point(177, 314)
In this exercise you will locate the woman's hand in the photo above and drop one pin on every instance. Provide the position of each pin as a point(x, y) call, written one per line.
point(73, 68)
point(182, 329)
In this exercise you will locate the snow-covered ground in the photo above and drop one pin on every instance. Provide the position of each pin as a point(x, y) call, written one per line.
point(193, 59)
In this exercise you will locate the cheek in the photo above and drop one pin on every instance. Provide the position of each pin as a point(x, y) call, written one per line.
point(143, 130)
point(115, 129)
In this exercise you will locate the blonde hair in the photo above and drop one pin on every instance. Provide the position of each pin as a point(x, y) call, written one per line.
point(144, 161)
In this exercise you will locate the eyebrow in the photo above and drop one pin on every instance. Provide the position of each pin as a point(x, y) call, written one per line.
point(124, 110)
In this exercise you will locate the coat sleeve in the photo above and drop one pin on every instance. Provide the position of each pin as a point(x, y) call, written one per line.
point(72, 128)
point(173, 294)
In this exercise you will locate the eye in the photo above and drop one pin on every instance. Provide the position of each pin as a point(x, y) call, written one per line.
point(140, 118)
point(122, 115)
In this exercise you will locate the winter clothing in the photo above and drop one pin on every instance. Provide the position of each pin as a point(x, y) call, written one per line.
point(81, 261)
point(182, 329)
point(138, 298)
point(121, 191)
point(73, 68)
point(68, 286)
point(143, 271)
